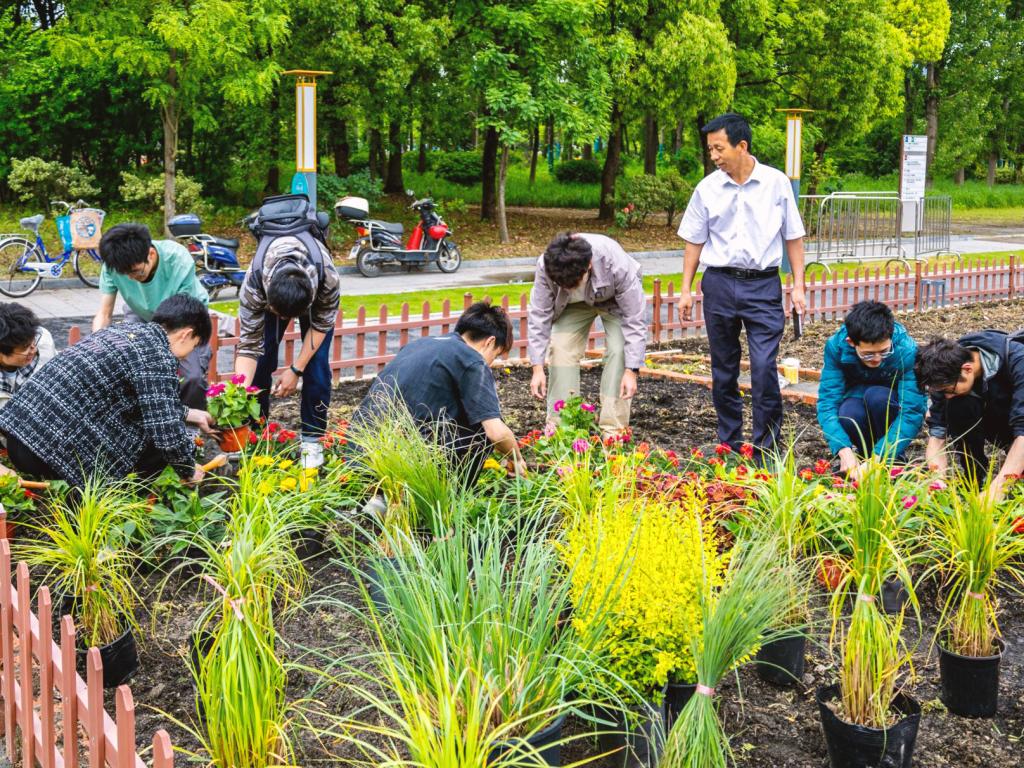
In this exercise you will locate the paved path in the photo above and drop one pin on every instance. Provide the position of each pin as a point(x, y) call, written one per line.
point(78, 302)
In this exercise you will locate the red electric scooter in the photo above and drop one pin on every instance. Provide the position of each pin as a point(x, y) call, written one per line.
point(380, 242)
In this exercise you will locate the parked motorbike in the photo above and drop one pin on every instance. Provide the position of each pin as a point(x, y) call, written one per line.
point(380, 242)
point(216, 257)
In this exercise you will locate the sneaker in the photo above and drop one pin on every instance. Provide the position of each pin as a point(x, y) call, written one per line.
point(311, 455)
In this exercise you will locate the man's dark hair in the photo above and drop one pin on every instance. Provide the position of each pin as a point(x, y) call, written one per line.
point(736, 128)
point(869, 321)
point(482, 320)
point(125, 246)
point(938, 363)
point(184, 311)
point(18, 327)
point(290, 291)
point(566, 259)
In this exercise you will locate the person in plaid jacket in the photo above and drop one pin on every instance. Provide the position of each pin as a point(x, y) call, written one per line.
point(109, 405)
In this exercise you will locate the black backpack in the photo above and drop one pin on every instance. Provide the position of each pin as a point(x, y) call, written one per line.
point(288, 216)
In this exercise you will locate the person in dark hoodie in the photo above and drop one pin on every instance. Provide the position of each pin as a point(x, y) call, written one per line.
point(868, 399)
point(976, 386)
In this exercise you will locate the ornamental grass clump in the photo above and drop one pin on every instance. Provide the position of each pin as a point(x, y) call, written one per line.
point(650, 558)
point(84, 552)
point(735, 613)
point(975, 549)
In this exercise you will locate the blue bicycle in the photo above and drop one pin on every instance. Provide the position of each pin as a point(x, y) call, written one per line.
point(24, 263)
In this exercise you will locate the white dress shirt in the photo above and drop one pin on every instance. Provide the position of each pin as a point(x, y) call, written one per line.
point(742, 225)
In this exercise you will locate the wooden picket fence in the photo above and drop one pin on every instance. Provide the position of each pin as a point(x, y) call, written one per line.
point(29, 656)
point(365, 343)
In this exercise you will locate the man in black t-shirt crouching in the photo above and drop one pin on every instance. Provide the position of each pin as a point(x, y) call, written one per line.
point(447, 381)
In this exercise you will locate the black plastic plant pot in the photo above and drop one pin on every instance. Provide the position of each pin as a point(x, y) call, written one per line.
point(120, 660)
point(857, 746)
point(373, 572)
point(547, 743)
point(676, 696)
point(894, 596)
point(970, 684)
point(636, 740)
point(781, 662)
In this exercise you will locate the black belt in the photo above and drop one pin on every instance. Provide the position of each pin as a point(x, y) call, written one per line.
point(745, 274)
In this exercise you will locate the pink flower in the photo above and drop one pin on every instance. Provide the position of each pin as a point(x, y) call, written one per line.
point(558, 406)
point(549, 430)
point(252, 390)
point(909, 501)
point(895, 471)
point(238, 378)
point(587, 407)
point(581, 445)
point(216, 389)
point(561, 471)
point(937, 485)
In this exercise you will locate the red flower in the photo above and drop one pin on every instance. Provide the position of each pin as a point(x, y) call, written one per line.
point(716, 462)
point(273, 427)
point(29, 494)
point(806, 474)
point(838, 482)
point(722, 449)
point(746, 451)
point(252, 438)
point(822, 467)
point(697, 453)
point(1018, 525)
point(741, 470)
point(643, 448)
point(762, 476)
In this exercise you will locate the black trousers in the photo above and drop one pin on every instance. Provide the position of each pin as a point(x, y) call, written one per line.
point(969, 429)
point(26, 462)
point(755, 305)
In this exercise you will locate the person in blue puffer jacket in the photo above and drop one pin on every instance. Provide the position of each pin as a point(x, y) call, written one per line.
point(869, 401)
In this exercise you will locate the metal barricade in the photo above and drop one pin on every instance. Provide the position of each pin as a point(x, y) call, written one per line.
point(935, 220)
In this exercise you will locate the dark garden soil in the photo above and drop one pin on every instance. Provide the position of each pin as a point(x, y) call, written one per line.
point(769, 727)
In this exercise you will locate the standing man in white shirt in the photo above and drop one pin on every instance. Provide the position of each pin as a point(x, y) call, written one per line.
point(737, 224)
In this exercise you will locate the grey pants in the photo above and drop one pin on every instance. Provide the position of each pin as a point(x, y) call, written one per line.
point(192, 371)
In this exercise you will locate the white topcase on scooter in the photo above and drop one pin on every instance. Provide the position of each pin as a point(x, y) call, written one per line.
point(352, 208)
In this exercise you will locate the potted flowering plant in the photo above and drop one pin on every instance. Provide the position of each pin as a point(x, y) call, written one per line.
point(233, 405)
point(14, 499)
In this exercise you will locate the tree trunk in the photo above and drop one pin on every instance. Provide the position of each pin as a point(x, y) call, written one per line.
point(567, 149)
point(421, 160)
point(587, 149)
point(395, 184)
point(677, 139)
point(374, 153)
point(908, 102)
point(169, 115)
point(534, 147)
point(650, 144)
point(273, 185)
point(611, 165)
point(931, 118)
point(702, 146)
point(502, 175)
point(958, 177)
point(819, 153)
point(487, 175)
point(342, 149)
point(993, 161)
point(549, 142)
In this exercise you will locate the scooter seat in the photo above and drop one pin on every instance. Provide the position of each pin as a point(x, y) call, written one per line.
point(32, 222)
point(394, 229)
point(224, 242)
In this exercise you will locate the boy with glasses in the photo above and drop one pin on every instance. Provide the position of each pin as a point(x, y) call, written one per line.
point(25, 347)
point(977, 396)
point(868, 398)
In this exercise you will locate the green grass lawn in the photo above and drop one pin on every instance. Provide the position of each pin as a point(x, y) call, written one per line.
point(415, 299)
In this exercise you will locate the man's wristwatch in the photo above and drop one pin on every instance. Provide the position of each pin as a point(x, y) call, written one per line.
point(296, 371)
point(635, 370)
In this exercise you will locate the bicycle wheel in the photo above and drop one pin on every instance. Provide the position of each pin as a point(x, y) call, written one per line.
point(15, 281)
point(87, 267)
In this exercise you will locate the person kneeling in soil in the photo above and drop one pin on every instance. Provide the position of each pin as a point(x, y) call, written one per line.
point(868, 398)
point(977, 396)
point(109, 405)
point(446, 382)
point(25, 347)
point(581, 277)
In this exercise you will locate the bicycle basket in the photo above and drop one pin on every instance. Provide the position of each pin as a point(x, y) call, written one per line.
point(64, 230)
point(86, 227)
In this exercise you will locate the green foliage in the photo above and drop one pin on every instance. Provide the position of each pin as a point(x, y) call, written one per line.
point(331, 187)
point(578, 172)
point(38, 181)
point(459, 167)
point(643, 194)
point(148, 190)
point(14, 498)
point(180, 514)
point(233, 404)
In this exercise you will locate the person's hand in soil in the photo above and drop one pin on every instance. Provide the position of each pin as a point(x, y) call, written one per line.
point(515, 465)
point(286, 385)
point(203, 420)
point(628, 386)
point(848, 463)
point(197, 475)
point(539, 383)
point(685, 306)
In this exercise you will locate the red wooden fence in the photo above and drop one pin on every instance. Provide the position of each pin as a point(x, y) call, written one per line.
point(362, 342)
point(28, 655)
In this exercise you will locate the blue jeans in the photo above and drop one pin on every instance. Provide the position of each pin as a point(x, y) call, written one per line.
point(316, 379)
point(867, 418)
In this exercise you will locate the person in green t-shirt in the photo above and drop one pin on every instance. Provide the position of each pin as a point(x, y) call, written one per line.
point(145, 272)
